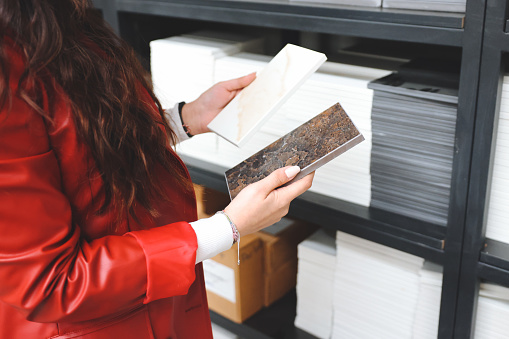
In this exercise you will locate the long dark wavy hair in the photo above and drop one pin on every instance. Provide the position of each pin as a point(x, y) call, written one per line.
point(67, 42)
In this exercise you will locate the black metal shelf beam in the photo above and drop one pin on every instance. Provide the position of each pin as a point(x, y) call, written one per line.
point(343, 217)
point(493, 274)
point(496, 254)
point(416, 26)
point(494, 263)
point(412, 236)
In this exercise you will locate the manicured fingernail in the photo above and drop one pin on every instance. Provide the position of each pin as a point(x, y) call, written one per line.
point(292, 171)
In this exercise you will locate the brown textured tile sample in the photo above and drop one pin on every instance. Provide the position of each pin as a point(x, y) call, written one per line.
point(309, 146)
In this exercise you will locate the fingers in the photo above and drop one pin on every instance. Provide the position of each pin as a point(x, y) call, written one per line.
point(239, 83)
point(260, 204)
point(278, 178)
point(296, 188)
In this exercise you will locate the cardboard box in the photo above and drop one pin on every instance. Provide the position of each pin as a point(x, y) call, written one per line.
point(278, 283)
point(236, 291)
point(280, 256)
point(209, 201)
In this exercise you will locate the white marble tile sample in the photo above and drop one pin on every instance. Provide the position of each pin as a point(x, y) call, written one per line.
point(274, 84)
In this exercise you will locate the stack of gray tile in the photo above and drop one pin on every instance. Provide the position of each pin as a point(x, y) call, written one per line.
point(413, 126)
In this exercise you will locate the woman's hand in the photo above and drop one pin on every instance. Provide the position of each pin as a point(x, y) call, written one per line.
point(198, 113)
point(264, 203)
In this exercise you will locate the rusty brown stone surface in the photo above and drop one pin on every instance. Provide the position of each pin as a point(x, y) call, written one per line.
point(303, 146)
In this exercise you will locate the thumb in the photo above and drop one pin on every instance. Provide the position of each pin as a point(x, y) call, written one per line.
point(279, 177)
point(239, 83)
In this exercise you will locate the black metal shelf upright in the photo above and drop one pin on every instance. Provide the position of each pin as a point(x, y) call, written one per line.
point(479, 34)
point(484, 259)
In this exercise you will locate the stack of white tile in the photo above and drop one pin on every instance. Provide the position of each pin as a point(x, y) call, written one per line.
point(492, 312)
point(428, 5)
point(369, 3)
point(238, 65)
point(498, 213)
point(183, 66)
point(317, 256)
point(348, 176)
point(376, 289)
point(428, 304)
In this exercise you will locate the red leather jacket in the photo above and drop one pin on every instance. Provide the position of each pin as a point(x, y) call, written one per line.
point(64, 272)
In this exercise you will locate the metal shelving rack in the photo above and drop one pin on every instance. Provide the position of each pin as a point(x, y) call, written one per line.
point(481, 41)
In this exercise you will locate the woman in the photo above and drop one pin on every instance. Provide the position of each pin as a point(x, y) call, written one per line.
point(98, 230)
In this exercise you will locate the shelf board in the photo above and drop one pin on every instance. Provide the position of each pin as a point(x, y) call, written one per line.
point(403, 25)
point(275, 321)
point(493, 264)
point(409, 235)
point(493, 274)
point(496, 253)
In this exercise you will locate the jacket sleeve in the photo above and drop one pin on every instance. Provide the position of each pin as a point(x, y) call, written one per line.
point(47, 270)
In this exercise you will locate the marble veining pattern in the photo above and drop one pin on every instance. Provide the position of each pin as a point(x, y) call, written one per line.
point(323, 137)
point(273, 85)
point(254, 99)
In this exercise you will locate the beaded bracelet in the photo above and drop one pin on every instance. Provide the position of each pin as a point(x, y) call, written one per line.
point(236, 234)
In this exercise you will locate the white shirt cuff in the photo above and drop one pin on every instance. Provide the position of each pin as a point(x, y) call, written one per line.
point(214, 236)
point(173, 117)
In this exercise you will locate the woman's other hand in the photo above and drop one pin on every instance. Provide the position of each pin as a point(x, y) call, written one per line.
point(264, 203)
point(198, 113)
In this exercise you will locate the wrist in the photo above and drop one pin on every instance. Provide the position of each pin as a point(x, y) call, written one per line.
point(191, 119)
point(235, 231)
point(243, 221)
point(235, 234)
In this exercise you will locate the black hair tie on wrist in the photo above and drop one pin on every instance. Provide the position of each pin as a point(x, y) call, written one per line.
point(186, 127)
